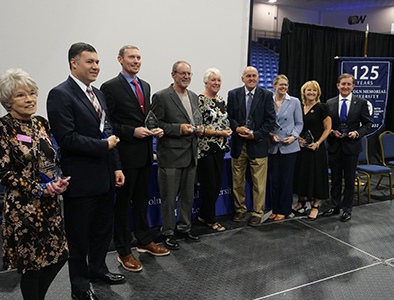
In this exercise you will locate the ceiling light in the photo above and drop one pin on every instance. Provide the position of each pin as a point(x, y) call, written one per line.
point(272, 1)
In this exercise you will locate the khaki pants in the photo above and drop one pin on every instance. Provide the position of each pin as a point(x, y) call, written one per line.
point(258, 170)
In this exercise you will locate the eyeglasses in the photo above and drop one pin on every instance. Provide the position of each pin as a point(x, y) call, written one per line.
point(183, 74)
point(23, 96)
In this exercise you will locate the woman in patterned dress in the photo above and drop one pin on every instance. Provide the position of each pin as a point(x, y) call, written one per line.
point(212, 147)
point(34, 240)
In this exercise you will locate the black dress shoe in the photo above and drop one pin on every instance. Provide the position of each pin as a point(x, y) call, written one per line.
point(110, 278)
point(346, 217)
point(188, 236)
point(88, 295)
point(330, 212)
point(170, 242)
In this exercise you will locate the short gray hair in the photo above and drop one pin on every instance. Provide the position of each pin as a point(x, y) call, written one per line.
point(11, 80)
point(176, 64)
point(210, 71)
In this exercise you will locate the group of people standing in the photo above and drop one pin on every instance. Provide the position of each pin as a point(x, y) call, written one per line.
point(105, 149)
point(342, 121)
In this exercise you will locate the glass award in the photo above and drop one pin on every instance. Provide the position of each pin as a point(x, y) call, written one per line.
point(308, 138)
point(151, 121)
point(281, 134)
point(105, 126)
point(344, 129)
point(50, 171)
point(249, 124)
point(197, 121)
point(107, 130)
point(223, 122)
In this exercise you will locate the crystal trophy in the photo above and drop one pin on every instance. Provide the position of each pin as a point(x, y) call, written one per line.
point(344, 129)
point(281, 134)
point(250, 124)
point(107, 131)
point(50, 171)
point(105, 126)
point(151, 122)
point(197, 121)
point(308, 138)
point(223, 122)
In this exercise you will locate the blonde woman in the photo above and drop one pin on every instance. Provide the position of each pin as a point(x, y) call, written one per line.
point(311, 175)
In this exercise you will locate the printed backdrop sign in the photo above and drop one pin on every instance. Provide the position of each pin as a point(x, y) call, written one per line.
point(373, 77)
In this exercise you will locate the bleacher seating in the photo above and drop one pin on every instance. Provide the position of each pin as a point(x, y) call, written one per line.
point(265, 60)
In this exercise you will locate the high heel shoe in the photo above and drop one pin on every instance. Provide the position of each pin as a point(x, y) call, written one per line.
point(279, 217)
point(272, 216)
point(302, 210)
point(313, 219)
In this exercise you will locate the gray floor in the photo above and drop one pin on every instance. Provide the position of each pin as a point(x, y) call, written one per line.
point(290, 259)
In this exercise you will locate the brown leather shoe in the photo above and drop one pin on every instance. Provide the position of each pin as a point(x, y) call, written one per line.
point(255, 221)
point(130, 263)
point(153, 249)
point(238, 217)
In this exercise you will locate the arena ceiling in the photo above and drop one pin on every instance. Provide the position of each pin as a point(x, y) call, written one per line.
point(323, 5)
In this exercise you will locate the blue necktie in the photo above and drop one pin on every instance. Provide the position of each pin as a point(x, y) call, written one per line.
point(248, 104)
point(342, 116)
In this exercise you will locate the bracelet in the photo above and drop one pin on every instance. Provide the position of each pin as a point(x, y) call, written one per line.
point(43, 186)
point(318, 144)
point(216, 132)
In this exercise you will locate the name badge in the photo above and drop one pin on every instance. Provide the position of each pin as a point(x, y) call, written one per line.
point(23, 138)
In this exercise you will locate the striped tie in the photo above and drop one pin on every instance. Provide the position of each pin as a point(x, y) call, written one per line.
point(94, 102)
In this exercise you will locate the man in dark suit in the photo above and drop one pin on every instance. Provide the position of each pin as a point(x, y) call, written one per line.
point(252, 117)
point(350, 122)
point(128, 100)
point(177, 154)
point(77, 115)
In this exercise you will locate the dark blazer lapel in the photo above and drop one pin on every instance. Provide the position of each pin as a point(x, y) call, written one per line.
point(146, 96)
point(336, 108)
point(242, 99)
point(82, 96)
point(174, 97)
point(256, 97)
point(353, 103)
point(130, 91)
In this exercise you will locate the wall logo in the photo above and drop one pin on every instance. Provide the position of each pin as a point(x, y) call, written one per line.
point(353, 20)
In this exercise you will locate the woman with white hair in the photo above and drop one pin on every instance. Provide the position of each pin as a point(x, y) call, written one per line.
point(212, 146)
point(34, 240)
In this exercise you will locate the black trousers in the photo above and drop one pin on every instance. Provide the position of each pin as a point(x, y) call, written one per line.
point(88, 223)
point(135, 191)
point(35, 284)
point(282, 168)
point(210, 173)
point(342, 166)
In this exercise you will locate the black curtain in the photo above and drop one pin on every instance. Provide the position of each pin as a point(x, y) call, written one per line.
point(307, 52)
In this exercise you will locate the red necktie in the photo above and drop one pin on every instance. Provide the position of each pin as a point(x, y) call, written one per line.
point(139, 95)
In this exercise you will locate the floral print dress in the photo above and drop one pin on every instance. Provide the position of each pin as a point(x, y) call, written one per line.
point(33, 231)
point(214, 117)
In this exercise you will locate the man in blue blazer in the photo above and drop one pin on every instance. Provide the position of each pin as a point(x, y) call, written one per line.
point(252, 117)
point(350, 122)
point(128, 114)
point(77, 114)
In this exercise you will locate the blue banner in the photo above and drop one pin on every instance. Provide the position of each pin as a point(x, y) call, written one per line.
point(373, 77)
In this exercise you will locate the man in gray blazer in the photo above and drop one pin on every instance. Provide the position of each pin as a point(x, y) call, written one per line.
point(177, 154)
